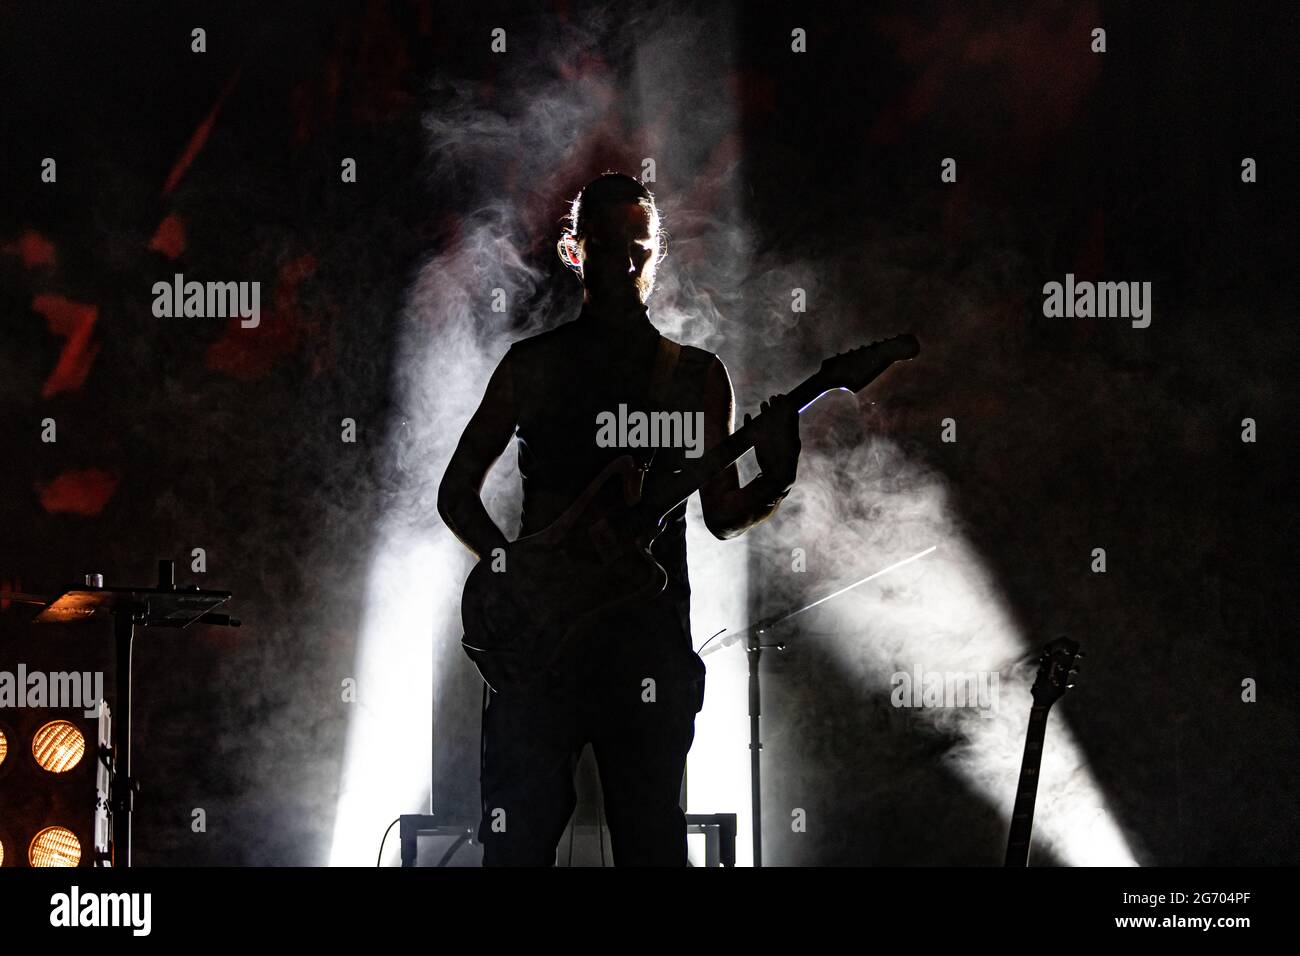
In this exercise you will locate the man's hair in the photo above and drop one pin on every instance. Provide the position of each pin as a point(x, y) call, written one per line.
point(607, 189)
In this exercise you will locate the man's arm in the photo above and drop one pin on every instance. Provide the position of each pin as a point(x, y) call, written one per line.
point(730, 510)
point(484, 439)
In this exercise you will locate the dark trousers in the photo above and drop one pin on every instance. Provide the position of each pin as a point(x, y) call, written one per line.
point(632, 691)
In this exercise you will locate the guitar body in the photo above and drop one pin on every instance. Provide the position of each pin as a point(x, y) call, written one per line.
point(552, 587)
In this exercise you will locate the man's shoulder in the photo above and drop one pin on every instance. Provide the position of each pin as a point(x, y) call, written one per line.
point(695, 368)
point(540, 341)
point(693, 356)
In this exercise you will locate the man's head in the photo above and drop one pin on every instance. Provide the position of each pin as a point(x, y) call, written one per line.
point(614, 240)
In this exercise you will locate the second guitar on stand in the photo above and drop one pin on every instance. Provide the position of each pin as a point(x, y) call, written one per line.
point(1056, 670)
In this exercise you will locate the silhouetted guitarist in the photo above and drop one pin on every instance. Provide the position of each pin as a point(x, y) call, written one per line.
point(547, 391)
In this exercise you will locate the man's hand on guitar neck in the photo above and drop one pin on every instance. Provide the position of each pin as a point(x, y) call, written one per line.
point(776, 446)
point(730, 510)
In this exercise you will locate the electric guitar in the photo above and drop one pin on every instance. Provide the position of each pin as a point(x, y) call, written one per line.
point(521, 609)
point(1057, 668)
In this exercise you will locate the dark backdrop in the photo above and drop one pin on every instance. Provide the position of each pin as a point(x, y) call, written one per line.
point(1074, 433)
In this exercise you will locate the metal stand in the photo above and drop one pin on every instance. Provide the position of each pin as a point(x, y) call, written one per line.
point(122, 787)
point(163, 605)
point(754, 651)
point(753, 637)
point(754, 647)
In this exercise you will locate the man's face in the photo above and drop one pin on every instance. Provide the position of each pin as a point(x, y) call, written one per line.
point(619, 254)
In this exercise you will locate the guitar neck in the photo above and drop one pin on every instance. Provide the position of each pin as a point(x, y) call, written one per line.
point(696, 472)
point(1022, 817)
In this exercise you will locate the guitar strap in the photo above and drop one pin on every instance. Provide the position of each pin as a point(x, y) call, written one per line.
point(661, 376)
point(659, 392)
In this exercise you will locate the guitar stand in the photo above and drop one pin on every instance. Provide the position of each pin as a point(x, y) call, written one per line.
point(163, 605)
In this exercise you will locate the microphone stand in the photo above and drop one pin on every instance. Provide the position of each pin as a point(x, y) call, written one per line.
point(754, 647)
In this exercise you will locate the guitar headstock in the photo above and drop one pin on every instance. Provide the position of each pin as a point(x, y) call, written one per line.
point(1057, 667)
point(853, 370)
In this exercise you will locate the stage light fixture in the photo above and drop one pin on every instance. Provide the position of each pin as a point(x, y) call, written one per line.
point(58, 746)
point(53, 847)
point(54, 779)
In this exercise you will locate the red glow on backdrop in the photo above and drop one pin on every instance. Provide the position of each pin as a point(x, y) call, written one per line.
point(251, 353)
point(376, 53)
point(754, 95)
point(383, 62)
point(198, 139)
point(74, 321)
point(82, 491)
point(1021, 60)
point(169, 239)
point(34, 249)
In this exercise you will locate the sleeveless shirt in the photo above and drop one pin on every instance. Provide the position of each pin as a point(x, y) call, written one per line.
point(562, 380)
